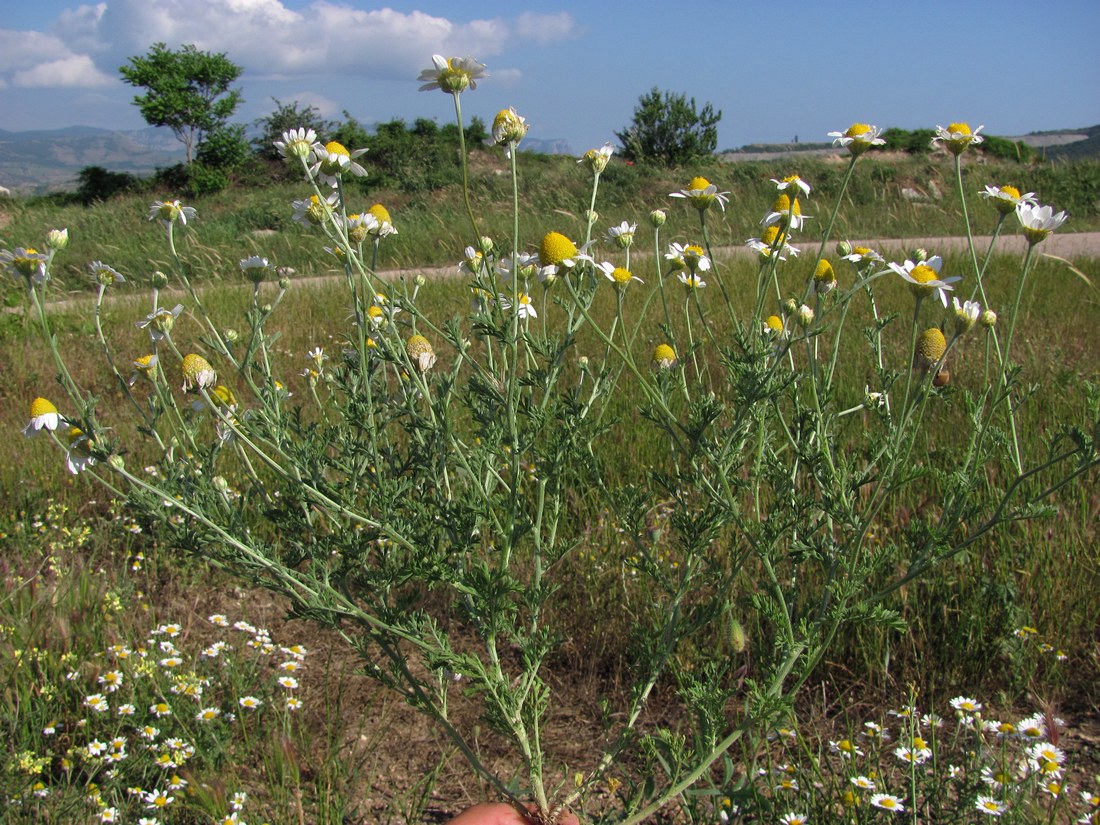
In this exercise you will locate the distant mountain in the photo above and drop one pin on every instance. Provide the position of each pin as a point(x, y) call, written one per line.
point(47, 160)
point(551, 146)
point(1065, 144)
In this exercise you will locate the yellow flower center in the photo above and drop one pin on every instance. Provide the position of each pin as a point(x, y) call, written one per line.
point(931, 345)
point(862, 251)
point(380, 213)
point(224, 396)
point(824, 272)
point(555, 248)
point(374, 311)
point(698, 183)
point(857, 130)
point(774, 323)
point(664, 353)
point(923, 274)
point(773, 236)
point(621, 276)
point(417, 345)
point(316, 210)
point(959, 128)
point(335, 148)
point(845, 745)
point(783, 206)
point(194, 365)
point(693, 251)
point(41, 406)
point(919, 743)
point(1011, 191)
point(75, 434)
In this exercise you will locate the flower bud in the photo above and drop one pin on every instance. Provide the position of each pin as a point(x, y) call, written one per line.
point(738, 639)
point(791, 306)
point(805, 315)
point(988, 318)
point(582, 363)
point(918, 254)
point(231, 336)
point(57, 239)
point(116, 462)
point(843, 249)
point(486, 245)
point(419, 280)
point(159, 280)
point(591, 215)
point(657, 218)
point(284, 284)
point(266, 309)
point(220, 484)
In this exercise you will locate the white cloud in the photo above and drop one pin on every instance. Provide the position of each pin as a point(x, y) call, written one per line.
point(34, 59)
point(270, 41)
point(21, 50)
point(74, 71)
point(545, 29)
point(507, 78)
point(79, 28)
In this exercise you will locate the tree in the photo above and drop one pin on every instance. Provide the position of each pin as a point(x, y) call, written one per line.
point(288, 116)
point(667, 129)
point(187, 90)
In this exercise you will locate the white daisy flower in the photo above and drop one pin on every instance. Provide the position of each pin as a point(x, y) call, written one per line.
point(957, 137)
point(924, 280)
point(622, 235)
point(160, 322)
point(619, 276)
point(44, 416)
point(170, 212)
point(1038, 221)
point(792, 182)
point(297, 143)
point(27, 264)
point(888, 802)
point(452, 75)
point(525, 308)
point(858, 138)
point(1006, 198)
point(990, 806)
point(332, 160)
point(701, 193)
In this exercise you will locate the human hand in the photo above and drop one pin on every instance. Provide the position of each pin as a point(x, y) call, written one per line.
point(501, 813)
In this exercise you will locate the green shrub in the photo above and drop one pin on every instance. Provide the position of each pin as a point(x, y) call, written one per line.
point(94, 183)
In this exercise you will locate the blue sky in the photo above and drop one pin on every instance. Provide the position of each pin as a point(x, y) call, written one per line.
point(576, 69)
